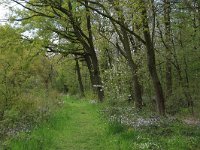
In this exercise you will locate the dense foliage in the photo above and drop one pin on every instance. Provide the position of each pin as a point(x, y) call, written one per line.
point(27, 83)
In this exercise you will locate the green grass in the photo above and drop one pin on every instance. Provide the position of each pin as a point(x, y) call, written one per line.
point(79, 126)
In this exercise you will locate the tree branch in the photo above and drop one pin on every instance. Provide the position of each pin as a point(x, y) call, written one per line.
point(107, 15)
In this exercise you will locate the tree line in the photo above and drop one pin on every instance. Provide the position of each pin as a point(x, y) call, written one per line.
point(145, 49)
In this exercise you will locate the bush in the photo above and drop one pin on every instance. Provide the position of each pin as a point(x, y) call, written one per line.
point(32, 108)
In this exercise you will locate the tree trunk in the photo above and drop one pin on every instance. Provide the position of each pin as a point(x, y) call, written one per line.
point(93, 67)
point(154, 76)
point(168, 47)
point(136, 86)
point(97, 78)
point(89, 66)
point(160, 100)
point(133, 67)
point(79, 78)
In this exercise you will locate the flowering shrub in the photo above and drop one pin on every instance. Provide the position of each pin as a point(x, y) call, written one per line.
point(117, 83)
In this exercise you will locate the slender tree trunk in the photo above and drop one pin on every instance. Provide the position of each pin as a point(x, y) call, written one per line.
point(154, 76)
point(160, 100)
point(89, 66)
point(187, 89)
point(108, 63)
point(126, 52)
point(168, 47)
point(79, 78)
point(134, 68)
point(136, 86)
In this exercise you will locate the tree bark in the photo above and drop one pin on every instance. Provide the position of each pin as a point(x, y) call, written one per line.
point(160, 100)
point(168, 48)
point(89, 66)
point(96, 77)
point(136, 85)
point(79, 78)
point(134, 68)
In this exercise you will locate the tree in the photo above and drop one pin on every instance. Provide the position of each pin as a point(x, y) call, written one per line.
point(147, 41)
point(75, 31)
point(152, 62)
point(126, 51)
point(168, 41)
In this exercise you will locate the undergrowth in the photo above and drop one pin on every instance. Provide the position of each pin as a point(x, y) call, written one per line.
point(143, 132)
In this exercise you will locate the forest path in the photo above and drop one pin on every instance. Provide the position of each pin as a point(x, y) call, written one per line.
point(84, 129)
point(76, 126)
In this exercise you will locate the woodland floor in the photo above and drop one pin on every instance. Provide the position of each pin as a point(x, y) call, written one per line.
point(79, 126)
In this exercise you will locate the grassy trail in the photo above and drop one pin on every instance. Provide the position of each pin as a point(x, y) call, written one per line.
point(77, 126)
point(84, 129)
